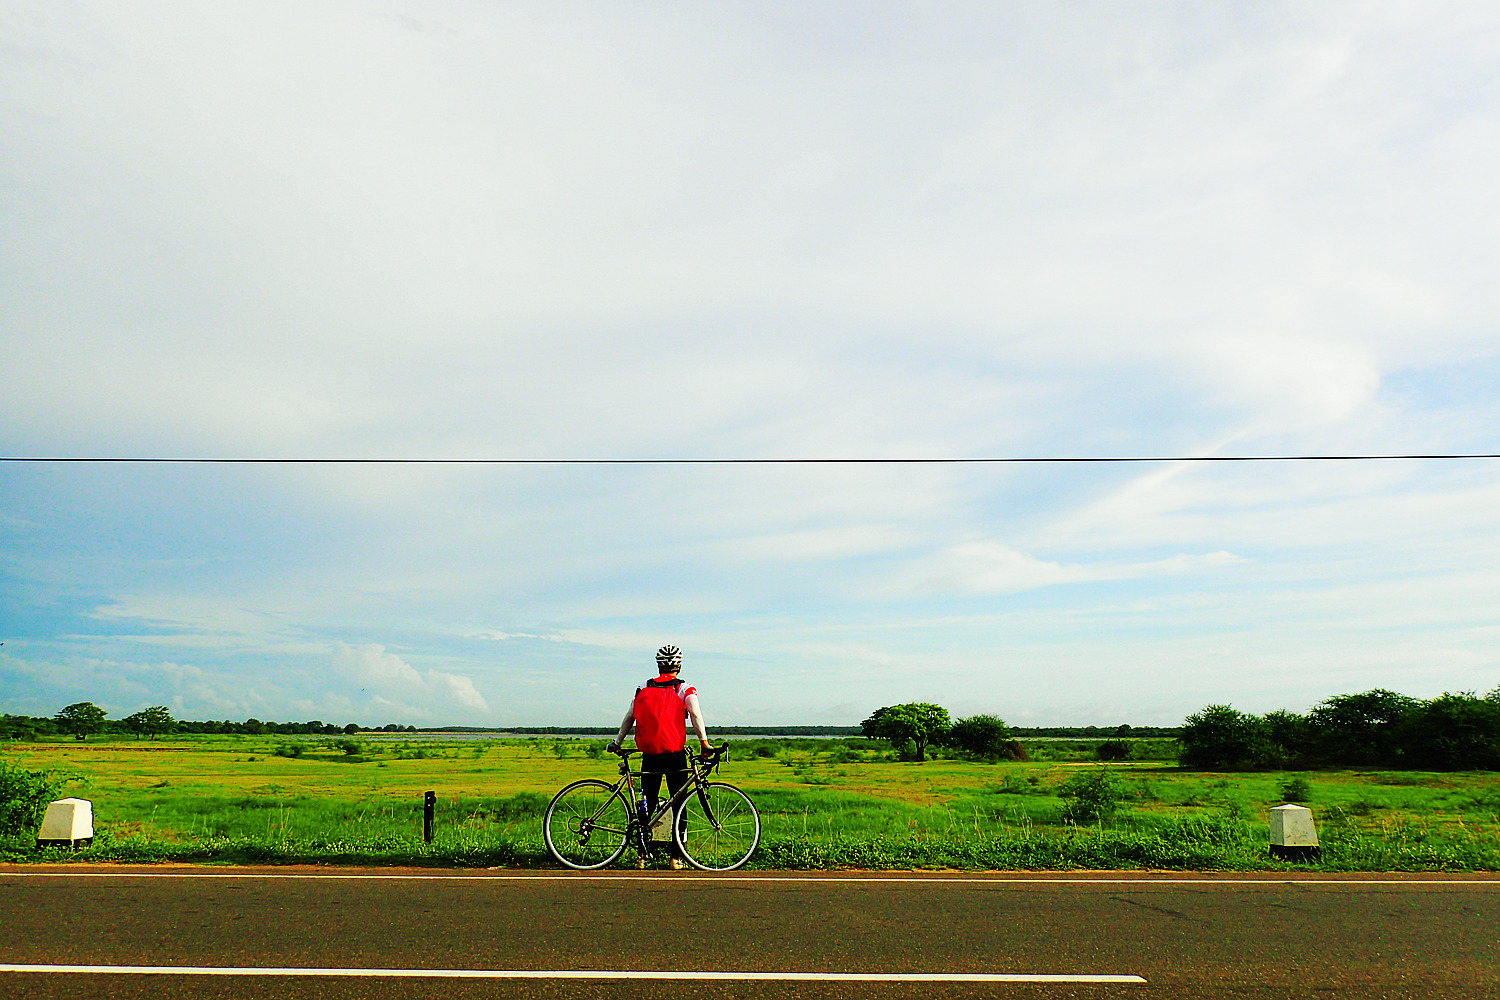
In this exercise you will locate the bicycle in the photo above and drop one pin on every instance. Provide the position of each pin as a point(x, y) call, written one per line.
point(590, 822)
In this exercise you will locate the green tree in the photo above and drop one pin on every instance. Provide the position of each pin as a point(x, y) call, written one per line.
point(1289, 739)
point(1452, 732)
point(351, 729)
point(917, 724)
point(81, 718)
point(22, 727)
point(151, 721)
point(1221, 737)
point(985, 736)
point(1360, 728)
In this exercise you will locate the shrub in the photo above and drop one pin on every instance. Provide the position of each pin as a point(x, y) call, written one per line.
point(519, 806)
point(1014, 751)
point(1113, 750)
point(1095, 794)
point(1296, 790)
point(984, 736)
point(1289, 739)
point(351, 748)
point(1452, 732)
point(1361, 729)
point(24, 796)
point(1015, 784)
point(1220, 737)
point(290, 749)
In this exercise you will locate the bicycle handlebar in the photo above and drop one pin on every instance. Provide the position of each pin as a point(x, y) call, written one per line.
point(712, 753)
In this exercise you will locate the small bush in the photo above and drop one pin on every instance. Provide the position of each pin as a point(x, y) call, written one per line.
point(1113, 750)
point(290, 750)
point(519, 806)
point(1296, 790)
point(351, 748)
point(1095, 794)
point(24, 796)
point(1014, 751)
point(1015, 784)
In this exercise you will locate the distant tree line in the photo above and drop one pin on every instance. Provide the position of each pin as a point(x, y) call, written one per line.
point(1122, 731)
point(84, 719)
point(826, 731)
point(1378, 728)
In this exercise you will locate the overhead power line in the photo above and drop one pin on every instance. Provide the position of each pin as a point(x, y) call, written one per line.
point(1011, 460)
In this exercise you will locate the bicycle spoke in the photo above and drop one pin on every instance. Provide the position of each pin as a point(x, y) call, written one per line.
point(586, 824)
point(718, 828)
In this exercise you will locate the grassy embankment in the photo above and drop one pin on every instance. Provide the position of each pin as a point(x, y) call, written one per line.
point(824, 804)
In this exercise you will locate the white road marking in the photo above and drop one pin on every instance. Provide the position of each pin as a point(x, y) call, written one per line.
point(801, 977)
point(739, 879)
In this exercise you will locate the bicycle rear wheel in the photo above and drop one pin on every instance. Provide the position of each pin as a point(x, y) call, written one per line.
point(586, 824)
point(717, 828)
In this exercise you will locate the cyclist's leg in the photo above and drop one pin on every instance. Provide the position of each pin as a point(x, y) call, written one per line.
point(677, 779)
point(651, 774)
point(651, 779)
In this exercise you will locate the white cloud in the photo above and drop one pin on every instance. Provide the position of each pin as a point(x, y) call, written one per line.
point(990, 567)
point(842, 542)
point(398, 684)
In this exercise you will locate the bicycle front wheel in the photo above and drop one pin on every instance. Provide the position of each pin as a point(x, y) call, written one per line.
point(717, 827)
point(586, 824)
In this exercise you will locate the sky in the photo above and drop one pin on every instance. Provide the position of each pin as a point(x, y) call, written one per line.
point(589, 230)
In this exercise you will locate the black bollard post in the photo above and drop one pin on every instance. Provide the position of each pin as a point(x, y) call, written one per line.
point(429, 806)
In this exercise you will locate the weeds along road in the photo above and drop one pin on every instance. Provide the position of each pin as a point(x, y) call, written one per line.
point(1186, 936)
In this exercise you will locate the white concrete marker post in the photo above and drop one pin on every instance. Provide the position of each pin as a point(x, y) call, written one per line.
point(67, 822)
point(1293, 836)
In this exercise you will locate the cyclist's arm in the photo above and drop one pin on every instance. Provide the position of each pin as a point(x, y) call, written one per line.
point(625, 725)
point(696, 714)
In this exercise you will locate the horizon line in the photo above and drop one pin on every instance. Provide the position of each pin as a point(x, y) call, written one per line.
point(950, 460)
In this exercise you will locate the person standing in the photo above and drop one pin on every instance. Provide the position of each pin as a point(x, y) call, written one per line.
point(658, 712)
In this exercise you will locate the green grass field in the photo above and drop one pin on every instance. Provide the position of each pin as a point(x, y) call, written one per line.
point(824, 804)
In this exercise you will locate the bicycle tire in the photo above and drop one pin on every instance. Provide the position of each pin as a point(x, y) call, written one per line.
point(726, 840)
point(587, 824)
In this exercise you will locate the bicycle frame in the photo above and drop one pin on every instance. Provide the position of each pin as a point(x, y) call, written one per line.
point(639, 833)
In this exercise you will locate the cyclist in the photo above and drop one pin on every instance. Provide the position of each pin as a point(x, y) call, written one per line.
point(657, 712)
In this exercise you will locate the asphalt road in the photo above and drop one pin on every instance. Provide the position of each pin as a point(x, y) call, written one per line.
point(1187, 936)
